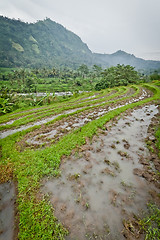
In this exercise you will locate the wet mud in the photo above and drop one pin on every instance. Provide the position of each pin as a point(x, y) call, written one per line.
point(7, 211)
point(93, 97)
point(104, 182)
point(49, 134)
point(5, 133)
point(142, 95)
point(43, 109)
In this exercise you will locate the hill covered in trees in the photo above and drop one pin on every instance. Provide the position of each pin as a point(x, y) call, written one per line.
point(47, 43)
point(44, 43)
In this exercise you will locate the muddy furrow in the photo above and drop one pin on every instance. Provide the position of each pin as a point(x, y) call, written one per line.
point(97, 97)
point(93, 97)
point(14, 116)
point(51, 109)
point(99, 184)
point(6, 133)
point(48, 134)
point(38, 118)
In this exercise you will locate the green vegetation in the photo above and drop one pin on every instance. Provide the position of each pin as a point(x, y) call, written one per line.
point(44, 43)
point(158, 139)
point(151, 223)
point(118, 76)
point(81, 106)
point(47, 43)
point(155, 76)
point(71, 66)
point(50, 80)
point(36, 218)
point(15, 83)
point(17, 46)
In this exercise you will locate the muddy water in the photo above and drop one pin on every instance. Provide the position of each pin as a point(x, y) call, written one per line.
point(8, 123)
point(97, 188)
point(53, 132)
point(7, 200)
point(4, 134)
point(43, 108)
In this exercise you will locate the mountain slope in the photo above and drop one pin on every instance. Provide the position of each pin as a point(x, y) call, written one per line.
point(42, 43)
point(47, 43)
point(121, 57)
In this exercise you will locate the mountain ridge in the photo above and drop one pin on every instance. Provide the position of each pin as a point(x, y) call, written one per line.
point(47, 43)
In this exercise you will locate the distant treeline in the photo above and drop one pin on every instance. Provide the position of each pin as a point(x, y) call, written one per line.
point(13, 81)
point(66, 79)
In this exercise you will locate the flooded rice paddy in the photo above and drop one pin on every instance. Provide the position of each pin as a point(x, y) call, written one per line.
point(99, 185)
point(103, 182)
point(52, 132)
point(5, 133)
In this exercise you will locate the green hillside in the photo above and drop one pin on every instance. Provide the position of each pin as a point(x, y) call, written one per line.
point(47, 44)
point(40, 44)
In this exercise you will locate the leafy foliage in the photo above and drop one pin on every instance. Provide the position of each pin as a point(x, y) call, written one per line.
point(155, 76)
point(120, 75)
point(6, 102)
point(50, 80)
point(151, 223)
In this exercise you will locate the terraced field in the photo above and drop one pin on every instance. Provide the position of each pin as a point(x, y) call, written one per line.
point(80, 169)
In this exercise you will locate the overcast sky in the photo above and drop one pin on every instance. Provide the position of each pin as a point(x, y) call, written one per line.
point(105, 25)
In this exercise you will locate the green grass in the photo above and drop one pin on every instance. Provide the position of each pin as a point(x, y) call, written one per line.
point(6, 70)
point(47, 112)
point(150, 224)
point(36, 218)
point(71, 100)
point(157, 134)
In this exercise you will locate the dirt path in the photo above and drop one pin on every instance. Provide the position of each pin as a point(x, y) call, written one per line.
point(104, 182)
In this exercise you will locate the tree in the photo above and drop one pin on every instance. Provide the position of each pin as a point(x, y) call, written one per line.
point(118, 76)
point(155, 76)
point(97, 70)
point(83, 70)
